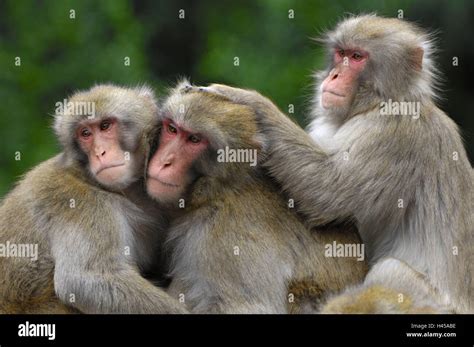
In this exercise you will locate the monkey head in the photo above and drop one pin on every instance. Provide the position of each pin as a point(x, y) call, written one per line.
point(106, 130)
point(196, 126)
point(373, 59)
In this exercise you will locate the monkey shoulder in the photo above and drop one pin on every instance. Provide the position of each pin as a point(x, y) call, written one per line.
point(59, 192)
point(242, 209)
point(59, 182)
point(30, 196)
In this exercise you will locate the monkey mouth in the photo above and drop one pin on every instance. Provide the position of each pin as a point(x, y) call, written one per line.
point(164, 183)
point(334, 93)
point(108, 167)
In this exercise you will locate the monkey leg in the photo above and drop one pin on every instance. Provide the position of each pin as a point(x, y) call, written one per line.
point(391, 286)
point(376, 299)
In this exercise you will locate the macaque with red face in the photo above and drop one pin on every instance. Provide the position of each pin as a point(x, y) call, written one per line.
point(235, 245)
point(170, 169)
point(404, 177)
point(338, 88)
point(100, 140)
point(97, 233)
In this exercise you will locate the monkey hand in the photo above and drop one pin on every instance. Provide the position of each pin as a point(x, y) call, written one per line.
point(240, 96)
point(274, 125)
point(265, 109)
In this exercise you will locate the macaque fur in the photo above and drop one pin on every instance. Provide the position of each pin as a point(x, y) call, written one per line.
point(87, 211)
point(406, 180)
point(236, 247)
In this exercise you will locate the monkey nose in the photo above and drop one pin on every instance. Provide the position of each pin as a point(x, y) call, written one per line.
point(100, 153)
point(168, 160)
point(165, 163)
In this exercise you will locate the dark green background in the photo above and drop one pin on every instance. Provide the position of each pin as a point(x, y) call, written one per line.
point(277, 57)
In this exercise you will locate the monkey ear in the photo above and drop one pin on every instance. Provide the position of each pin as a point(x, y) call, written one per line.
point(417, 57)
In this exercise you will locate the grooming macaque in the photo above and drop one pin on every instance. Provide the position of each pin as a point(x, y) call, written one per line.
point(235, 245)
point(404, 178)
point(87, 213)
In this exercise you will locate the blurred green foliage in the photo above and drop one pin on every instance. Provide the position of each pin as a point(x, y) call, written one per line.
point(60, 54)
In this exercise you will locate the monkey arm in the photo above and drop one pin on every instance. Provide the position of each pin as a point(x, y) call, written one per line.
point(120, 291)
point(341, 185)
point(93, 274)
point(328, 187)
point(292, 157)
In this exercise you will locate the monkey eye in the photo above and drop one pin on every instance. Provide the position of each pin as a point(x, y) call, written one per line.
point(85, 132)
point(194, 138)
point(357, 56)
point(105, 124)
point(172, 129)
point(340, 52)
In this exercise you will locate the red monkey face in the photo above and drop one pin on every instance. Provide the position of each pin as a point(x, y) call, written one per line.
point(339, 87)
point(170, 168)
point(108, 163)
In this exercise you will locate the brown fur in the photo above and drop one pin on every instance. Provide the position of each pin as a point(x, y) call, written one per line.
point(83, 263)
point(235, 205)
point(390, 158)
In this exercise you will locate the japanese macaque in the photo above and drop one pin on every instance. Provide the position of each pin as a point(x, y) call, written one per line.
point(235, 245)
point(380, 151)
point(78, 229)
